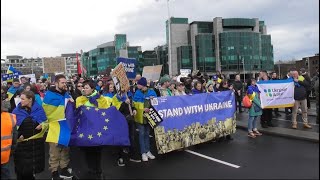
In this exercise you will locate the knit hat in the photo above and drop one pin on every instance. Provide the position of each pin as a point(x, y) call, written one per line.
point(142, 82)
point(208, 84)
point(165, 78)
point(250, 91)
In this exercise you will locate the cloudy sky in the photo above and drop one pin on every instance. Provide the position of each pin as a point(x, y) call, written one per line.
point(51, 27)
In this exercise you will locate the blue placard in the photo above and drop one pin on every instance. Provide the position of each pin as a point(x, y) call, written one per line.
point(193, 119)
point(129, 65)
point(6, 77)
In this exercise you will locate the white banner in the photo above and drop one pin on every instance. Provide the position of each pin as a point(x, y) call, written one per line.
point(276, 93)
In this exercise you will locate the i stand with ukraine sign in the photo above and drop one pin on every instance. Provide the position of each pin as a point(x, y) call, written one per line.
point(193, 119)
point(276, 93)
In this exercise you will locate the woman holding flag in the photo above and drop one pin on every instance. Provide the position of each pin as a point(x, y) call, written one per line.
point(91, 98)
point(29, 154)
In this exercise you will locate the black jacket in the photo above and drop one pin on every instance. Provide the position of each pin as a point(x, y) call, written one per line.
point(29, 156)
point(300, 91)
point(237, 85)
point(308, 80)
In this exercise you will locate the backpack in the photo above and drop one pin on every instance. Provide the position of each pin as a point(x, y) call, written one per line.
point(247, 103)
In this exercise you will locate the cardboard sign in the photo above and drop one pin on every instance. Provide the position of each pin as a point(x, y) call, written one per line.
point(154, 119)
point(152, 72)
point(120, 79)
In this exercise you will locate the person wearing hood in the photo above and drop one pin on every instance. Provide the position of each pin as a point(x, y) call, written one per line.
point(29, 156)
point(209, 87)
point(92, 98)
point(141, 101)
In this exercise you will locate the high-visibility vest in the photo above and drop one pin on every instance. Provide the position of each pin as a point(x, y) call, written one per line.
point(8, 122)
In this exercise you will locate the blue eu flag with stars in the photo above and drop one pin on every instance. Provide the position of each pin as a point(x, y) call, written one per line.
point(92, 126)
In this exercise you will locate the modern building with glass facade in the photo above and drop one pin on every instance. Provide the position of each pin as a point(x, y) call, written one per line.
point(220, 45)
point(97, 60)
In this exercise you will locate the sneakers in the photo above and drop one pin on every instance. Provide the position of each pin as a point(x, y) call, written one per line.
point(307, 126)
point(257, 133)
point(144, 157)
point(251, 134)
point(135, 160)
point(55, 176)
point(294, 126)
point(121, 162)
point(66, 173)
point(150, 155)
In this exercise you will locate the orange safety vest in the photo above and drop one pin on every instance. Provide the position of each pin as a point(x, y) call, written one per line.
point(8, 121)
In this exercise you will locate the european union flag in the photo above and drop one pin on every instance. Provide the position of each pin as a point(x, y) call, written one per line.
point(96, 127)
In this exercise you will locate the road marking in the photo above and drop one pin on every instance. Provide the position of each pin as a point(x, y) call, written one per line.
point(213, 159)
point(297, 122)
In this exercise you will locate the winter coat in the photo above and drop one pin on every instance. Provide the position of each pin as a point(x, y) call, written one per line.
point(300, 89)
point(237, 85)
point(29, 156)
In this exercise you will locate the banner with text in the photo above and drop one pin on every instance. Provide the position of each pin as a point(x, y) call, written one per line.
point(276, 93)
point(190, 120)
point(129, 65)
point(6, 77)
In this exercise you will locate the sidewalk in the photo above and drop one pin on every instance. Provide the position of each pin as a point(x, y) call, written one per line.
point(242, 123)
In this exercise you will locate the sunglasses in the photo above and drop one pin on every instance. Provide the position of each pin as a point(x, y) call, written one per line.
point(79, 86)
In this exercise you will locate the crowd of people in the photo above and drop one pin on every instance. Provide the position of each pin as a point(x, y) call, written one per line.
point(27, 106)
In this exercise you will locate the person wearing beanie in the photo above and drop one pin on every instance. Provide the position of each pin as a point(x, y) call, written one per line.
point(209, 87)
point(255, 111)
point(165, 83)
point(308, 88)
point(141, 102)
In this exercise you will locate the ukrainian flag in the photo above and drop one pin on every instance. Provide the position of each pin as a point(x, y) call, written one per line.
point(138, 102)
point(54, 107)
point(11, 91)
point(59, 132)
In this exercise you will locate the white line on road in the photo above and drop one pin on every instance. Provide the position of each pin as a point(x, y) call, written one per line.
point(212, 159)
point(297, 122)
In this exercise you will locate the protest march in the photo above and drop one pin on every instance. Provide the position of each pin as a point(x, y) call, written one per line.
point(125, 106)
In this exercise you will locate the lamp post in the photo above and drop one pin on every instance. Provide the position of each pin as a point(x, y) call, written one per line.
point(279, 68)
point(244, 70)
point(169, 43)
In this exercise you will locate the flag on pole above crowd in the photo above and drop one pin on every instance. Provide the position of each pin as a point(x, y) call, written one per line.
point(79, 69)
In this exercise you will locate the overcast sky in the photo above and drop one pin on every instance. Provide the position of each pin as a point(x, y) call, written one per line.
point(32, 28)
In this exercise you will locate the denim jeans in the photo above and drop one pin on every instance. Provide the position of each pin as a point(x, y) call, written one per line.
point(144, 139)
point(5, 171)
point(252, 123)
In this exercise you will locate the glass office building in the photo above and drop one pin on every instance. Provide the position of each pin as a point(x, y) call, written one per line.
point(97, 60)
point(220, 45)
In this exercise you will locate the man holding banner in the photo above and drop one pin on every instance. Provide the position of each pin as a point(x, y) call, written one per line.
point(300, 91)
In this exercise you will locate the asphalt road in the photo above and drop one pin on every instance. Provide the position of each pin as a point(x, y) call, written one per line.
point(264, 157)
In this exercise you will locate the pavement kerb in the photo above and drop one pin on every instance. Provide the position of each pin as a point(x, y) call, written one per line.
point(284, 132)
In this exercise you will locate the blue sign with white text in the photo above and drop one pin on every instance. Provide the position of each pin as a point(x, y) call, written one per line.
point(193, 119)
point(129, 65)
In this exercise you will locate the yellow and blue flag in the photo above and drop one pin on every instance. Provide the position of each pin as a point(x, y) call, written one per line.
point(59, 132)
point(54, 106)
